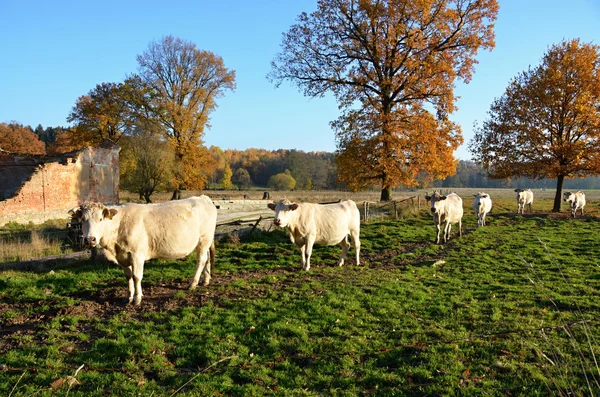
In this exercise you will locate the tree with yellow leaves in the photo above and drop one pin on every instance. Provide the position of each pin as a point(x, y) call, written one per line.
point(184, 84)
point(392, 66)
point(547, 123)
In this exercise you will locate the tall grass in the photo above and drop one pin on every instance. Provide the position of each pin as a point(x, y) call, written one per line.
point(29, 245)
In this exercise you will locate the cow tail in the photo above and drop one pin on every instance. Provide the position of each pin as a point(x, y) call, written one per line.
point(211, 253)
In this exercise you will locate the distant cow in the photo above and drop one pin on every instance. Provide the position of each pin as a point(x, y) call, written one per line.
point(448, 210)
point(482, 205)
point(327, 224)
point(133, 233)
point(524, 198)
point(576, 200)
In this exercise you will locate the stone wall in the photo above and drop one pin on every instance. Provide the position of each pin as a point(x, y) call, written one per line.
point(35, 189)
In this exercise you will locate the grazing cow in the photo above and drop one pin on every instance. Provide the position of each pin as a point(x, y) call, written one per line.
point(446, 209)
point(576, 201)
point(133, 233)
point(524, 198)
point(482, 205)
point(326, 224)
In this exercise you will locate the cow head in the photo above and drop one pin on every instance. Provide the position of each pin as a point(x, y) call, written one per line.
point(437, 202)
point(479, 196)
point(284, 212)
point(94, 219)
point(568, 196)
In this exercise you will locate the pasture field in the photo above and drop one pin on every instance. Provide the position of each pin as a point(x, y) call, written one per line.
point(510, 309)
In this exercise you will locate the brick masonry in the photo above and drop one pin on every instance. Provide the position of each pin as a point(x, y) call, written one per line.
point(35, 189)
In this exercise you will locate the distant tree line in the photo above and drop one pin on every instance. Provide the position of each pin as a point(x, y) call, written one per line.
point(470, 174)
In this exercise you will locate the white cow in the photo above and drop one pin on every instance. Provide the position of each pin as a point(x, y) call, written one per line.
point(576, 201)
point(524, 198)
point(133, 233)
point(326, 224)
point(482, 205)
point(446, 209)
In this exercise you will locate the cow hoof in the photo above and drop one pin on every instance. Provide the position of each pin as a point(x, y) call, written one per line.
point(205, 283)
point(137, 301)
point(193, 286)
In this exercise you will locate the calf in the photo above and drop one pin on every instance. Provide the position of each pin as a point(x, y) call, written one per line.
point(482, 205)
point(448, 210)
point(524, 198)
point(133, 233)
point(326, 224)
point(576, 200)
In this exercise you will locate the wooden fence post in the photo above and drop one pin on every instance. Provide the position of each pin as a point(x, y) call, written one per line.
point(395, 210)
point(419, 202)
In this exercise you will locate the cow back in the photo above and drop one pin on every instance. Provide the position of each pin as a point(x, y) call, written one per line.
point(167, 230)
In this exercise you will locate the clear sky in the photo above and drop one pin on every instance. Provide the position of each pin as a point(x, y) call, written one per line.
point(52, 52)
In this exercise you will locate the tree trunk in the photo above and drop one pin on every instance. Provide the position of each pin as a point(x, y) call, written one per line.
point(386, 193)
point(558, 196)
point(147, 195)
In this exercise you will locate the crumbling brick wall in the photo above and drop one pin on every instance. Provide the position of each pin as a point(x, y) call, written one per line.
point(35, 189)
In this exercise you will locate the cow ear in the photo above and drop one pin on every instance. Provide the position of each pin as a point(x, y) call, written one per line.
point(293, 207)
point(443, 197)
point(485, 196)
point(427, 198)
point(109, 213)
point(271, 206)
point(475, 195)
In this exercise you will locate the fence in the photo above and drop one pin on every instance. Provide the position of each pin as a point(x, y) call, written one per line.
point(389, 209)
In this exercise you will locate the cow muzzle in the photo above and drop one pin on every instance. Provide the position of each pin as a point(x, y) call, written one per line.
point(91, 241)
point(277, 222)
point(433, 211)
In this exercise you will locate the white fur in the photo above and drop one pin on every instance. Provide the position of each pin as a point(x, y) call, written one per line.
point(524, 199)
point(448, 210)
point(576, 200)
point(482, 205)
point(133, 233)
point(326, 224)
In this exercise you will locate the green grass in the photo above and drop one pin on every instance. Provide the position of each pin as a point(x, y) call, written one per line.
point(509, 309)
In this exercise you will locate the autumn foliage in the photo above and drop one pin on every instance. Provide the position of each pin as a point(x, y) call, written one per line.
point(392, 66)
point(15, 138)
point(547, 123)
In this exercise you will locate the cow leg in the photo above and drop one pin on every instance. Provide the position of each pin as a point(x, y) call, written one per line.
point(356, 242)
point(201, 263)
point(302, 255)
point(460, 228)
point(310, 240)
point(138, 273)
point(345, 247)
point(437, 231)
point(129, 276)
point(447, 232)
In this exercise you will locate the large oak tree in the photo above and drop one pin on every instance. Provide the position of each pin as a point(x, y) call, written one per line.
point(392, 66)
point(547, 123)
point(185, 83)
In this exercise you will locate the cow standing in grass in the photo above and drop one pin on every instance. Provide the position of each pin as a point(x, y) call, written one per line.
point(133, 233)
point(576, 201)
point(447, 210)
point(524, 199)
point(326, 224)
point(482, 205)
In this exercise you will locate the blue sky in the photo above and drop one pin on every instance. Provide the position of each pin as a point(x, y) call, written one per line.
point(52, 52)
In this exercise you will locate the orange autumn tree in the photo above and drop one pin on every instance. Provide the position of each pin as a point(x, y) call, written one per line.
point(547, 123)
point(104, 113)
point(15, 138)
point(184, 84)
point(392, 66)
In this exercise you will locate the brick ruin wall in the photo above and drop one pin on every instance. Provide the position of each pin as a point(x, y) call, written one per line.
point(39, 189)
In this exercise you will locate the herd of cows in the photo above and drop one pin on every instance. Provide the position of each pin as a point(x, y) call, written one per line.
point(134, 233)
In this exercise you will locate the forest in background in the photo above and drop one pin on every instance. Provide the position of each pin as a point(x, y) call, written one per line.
point(283, 169)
